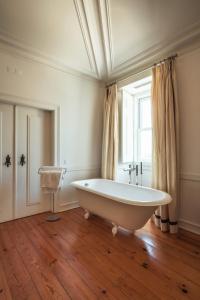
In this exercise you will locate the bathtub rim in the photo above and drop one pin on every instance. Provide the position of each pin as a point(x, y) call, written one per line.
point(165, 200)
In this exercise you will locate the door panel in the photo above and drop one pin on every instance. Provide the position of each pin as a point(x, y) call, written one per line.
point(6, 172)
point(33, 140)
point(35, 158)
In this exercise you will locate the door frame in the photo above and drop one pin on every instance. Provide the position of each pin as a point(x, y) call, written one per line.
point(28, 102)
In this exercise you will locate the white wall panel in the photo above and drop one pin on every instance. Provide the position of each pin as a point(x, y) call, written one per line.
point(188, 74)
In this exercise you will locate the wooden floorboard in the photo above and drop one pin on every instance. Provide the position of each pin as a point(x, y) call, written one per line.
point(76, 258)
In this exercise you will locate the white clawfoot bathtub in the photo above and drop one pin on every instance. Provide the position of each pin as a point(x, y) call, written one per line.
point(125, 205)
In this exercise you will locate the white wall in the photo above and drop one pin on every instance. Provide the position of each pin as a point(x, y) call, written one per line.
point(80, 101)
point(188, 76)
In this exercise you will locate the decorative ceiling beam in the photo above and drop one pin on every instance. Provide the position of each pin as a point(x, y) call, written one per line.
point(104, 13)
point(95, 31)
point(83, 22)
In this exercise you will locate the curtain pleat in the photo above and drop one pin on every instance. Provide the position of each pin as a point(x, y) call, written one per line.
point(165, 141)
point(110, 134)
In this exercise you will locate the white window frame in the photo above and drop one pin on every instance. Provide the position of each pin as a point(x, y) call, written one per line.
point(137, 130)
point(123, 128)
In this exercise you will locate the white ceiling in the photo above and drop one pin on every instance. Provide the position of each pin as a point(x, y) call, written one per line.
point(100, 38)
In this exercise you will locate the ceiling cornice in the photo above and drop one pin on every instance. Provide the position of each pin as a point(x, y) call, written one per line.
point(36, 55)
point(158, 51)
point(11, 45)
point(95, 24)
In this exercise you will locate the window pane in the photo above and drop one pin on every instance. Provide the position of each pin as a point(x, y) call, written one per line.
point(146, 145)
point(145, 113)
point(128, 128)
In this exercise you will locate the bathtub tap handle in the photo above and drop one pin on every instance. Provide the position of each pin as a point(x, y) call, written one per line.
point(141, 168)
point(136, 170)
point(130, 169)
point(141, 172)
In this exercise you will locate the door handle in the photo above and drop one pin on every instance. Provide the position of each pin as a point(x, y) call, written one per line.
point(22, 160)
point(8, 161)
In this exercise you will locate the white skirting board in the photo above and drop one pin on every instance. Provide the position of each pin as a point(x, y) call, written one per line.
point(189, 226)
point(67, 206)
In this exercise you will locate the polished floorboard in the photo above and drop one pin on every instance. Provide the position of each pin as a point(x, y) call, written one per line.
point(76, 258)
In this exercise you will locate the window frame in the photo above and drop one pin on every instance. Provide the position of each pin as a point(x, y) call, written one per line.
point(137, 129)
point(123, 154)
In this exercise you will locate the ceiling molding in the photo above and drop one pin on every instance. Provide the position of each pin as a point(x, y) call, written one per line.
point(145, 58)
point(158, 51)
point(83, 22)
point(96, 28)
point(12, 44)
point(104, 11)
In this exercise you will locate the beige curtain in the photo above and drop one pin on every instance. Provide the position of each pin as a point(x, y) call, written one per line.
point(165, 141)
point(110, 134)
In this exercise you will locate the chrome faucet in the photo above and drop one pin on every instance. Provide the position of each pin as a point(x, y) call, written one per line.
point(131, 168)
point(134, 167)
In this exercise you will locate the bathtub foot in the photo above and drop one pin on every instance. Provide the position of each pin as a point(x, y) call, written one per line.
point(87, 214)
point(114, 229)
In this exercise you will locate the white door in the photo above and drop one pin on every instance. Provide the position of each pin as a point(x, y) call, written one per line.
point(6, 162)
point(33, 150)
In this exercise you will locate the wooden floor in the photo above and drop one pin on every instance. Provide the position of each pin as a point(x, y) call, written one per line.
point(78, 259)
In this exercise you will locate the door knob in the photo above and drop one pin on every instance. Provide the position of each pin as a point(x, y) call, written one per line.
point(22, 160)
point(8, 161)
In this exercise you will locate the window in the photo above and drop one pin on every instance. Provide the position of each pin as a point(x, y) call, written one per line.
point(143, 128)
point(136, 122)
point(128, 127)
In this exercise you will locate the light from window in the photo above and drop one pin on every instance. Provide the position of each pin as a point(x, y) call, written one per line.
point(136, 122)
point(127, 127)
point(144, 129)
point(145, 113)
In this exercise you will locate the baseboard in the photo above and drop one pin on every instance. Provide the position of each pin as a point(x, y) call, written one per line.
point(68, 206)
point(189, 226)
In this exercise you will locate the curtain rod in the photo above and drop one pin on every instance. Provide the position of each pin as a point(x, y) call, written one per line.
point(163, 60)
point(147, 68)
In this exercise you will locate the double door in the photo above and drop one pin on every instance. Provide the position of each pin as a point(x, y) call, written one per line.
point(25, 145)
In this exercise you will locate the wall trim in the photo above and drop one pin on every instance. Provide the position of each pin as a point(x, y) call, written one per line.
point(67, 203)
point(67, 206)
point(10, 44)
point(31, 102)
point(145, 59)
point(190, 176)
point(89, 168)
point(189, 226)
